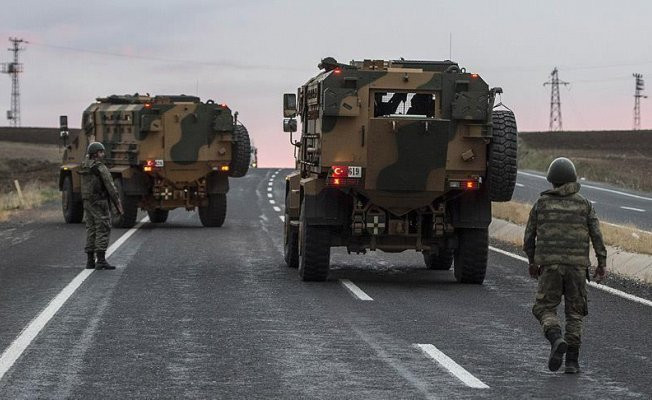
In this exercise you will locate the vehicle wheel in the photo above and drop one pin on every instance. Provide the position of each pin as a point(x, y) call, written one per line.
point(130, 206)
point(441, 261)
point(73, 211)
point(214, 214)
point(291, 236)
point(158, 216)
point(314, 250)
point(471, 255)
point(240, 152)
point(501, 166)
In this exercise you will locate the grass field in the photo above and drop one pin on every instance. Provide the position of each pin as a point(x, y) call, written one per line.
point(622, 158)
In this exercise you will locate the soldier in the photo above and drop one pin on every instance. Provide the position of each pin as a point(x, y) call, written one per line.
point(557, 245)
point(97, 189)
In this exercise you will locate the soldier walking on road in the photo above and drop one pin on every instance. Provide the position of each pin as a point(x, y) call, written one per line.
point(97, 189)
point(557, 245)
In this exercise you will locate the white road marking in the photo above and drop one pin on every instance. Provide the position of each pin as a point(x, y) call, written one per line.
point(519, 184)
point(595, 187)
point(632, 209)
point(451, 366)
point(270, 195)
point(604, 288)
point(355, 290)
point(269, 189)
point(282, 217)
point(277, 209)
point(270, 183)
point(20, 344)
point(272, 201)
point(593, 201)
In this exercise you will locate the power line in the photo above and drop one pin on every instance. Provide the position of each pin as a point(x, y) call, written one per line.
point(639, 86)
point(13, 69)
point(555, 100)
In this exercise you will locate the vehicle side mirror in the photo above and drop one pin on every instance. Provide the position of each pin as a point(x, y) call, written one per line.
point(63, 127)
point(289, 105)
point(289, 125)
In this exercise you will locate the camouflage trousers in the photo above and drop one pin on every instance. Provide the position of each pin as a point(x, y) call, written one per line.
point(98, 225)
point(556, 281)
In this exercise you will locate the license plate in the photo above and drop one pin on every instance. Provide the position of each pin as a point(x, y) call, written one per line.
point(159, 163)
point(355, 172)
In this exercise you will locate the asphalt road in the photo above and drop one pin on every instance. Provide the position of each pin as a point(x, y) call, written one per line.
point(214, 313)
point(612, 204)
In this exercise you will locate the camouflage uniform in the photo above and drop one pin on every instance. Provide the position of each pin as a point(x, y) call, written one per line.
point(97, 187)
point(557, 240)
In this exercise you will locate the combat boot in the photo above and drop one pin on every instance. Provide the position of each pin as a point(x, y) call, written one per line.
point(558, 347)
point(103, 264)
point(90, 260)
point(572, 357)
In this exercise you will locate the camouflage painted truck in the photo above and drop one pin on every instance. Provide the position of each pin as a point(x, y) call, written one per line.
point(164, 152)
point(396, 155)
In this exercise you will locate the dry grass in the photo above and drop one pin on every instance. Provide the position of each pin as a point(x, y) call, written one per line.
point(627, 238)
point(34, 194)
point(45, 152)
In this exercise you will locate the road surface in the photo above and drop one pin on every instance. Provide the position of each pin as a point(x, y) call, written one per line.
point(214, 313)
point(612, 204)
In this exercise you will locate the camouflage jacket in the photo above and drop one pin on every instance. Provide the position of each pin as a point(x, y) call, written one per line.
point(559, 228)
point(96, 181)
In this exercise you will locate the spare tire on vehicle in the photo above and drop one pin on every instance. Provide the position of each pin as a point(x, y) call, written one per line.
point(240, 152)
point(501, 162)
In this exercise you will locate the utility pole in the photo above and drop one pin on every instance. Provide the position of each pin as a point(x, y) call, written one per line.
point(555, 101)
point(14, 68)
point(638, 88)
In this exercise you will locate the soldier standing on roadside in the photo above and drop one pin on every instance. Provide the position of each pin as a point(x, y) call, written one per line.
point(97, 189)
point(556, 242)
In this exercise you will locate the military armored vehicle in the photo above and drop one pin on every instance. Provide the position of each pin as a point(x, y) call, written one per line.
point(396, 155)
point(164, 152)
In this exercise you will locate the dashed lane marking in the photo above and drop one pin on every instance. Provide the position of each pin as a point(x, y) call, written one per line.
point(270, 195)
point(632, 209)
point(595, 187)
point(277, 209)
point(604, 288)
point(20, 344)
point(451, 366)
point(355, 290)
point(269, 189)
point(282, 217)
point(519, 184)
point(272, 201)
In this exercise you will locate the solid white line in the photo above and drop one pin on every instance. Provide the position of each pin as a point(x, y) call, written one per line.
point(272, 201)
point(355, 290)
point(277, 209)
point(20, 344)
point(282, 217)
point(595, 187)
point(519, 184)
point(454, 368)
point(604, 288)
point(632, 209)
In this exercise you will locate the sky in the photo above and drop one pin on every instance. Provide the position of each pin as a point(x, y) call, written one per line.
point(248, 53)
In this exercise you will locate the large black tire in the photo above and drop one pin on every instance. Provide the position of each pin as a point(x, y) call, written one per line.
point(315, 250)
point(73, 211)
point(291, 241)
point(158, 216)
point(240, 152)
point(441, 262)
point(471, 255)
point(129, 205)
point(214, 214)
point(501, 163)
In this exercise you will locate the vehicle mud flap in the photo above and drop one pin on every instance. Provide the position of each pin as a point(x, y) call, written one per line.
point(328, 207)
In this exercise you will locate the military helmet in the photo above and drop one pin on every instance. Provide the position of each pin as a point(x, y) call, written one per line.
point(94, 147)
point(561, 170)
